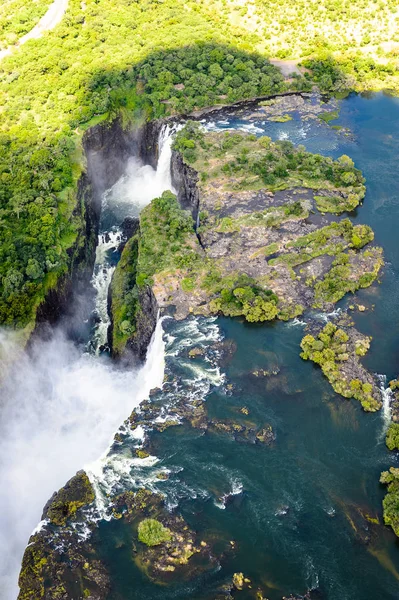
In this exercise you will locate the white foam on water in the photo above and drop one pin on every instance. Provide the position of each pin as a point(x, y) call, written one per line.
point(296, 323)
point(130, 194)
point(101, 281)
point(386, 396)
point(236, 489)
point(60, 408)
point(326, 317)
point(110, 470)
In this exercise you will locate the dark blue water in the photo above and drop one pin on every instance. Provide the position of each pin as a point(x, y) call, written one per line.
point(298, 511)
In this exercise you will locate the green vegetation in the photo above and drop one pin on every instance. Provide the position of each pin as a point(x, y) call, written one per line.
point(246, 299)
point(331, 240)
point(357, 38)
point(17, 17)
point(77, 493)
point(167, 252)
point(101, 62)
point(335, 204)
point(349, 272)
point(124, 294)
point(104, 60)
point(331, 349)
point(246, 162)
point(391, 501)
point(392, 436)
point(170, 259)
point(280, 118)
point(152, 532)
point(329, 116)
point(270, 217)
point(167, 240)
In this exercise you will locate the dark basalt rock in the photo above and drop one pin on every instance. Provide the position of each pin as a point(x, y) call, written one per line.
point(57, 564)
point(185, 179)
point(183, 556)
point(137, 345)
point(129, 228)
point(73, 571)
point(107, 147)
point(75, 494)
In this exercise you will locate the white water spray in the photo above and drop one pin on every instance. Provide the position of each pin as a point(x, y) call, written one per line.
point(111, 470)
point(386, 394)
point(134, 190)
point(60, 408)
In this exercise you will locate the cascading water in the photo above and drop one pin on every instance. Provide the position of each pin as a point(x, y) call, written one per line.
point(386, 394)
point(61, 408)
point(140, 184)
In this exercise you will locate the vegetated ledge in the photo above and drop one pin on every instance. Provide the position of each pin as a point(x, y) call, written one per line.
point(247, 235)
point(337, 350)
point(74, 572)
point(100, 159)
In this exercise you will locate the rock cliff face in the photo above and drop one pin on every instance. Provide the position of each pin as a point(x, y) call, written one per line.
point(145, 324)
point(107, 148)
point(185, 180)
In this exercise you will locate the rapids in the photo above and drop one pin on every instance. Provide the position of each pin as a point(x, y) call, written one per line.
point(292, 509)
point(61, 406)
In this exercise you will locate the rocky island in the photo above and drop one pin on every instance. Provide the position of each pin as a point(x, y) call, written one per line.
point(250, 233)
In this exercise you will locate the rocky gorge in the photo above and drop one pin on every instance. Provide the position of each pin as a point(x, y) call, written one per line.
point(230, 244)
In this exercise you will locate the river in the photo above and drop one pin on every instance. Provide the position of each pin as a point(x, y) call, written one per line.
point(292, 508)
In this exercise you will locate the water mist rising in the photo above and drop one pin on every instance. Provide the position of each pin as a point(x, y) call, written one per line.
point(60, 408)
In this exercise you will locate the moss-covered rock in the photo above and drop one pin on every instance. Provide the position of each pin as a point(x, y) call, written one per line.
point(64, 504)
point(168, 548)
point(152, 533)
point(61, 567)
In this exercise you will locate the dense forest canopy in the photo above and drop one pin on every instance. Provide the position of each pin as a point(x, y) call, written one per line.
point(143, 59)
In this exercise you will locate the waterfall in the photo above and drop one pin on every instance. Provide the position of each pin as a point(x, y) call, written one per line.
point(136, 188)
point(60, 407)
point(386, 394)
point(108, 472)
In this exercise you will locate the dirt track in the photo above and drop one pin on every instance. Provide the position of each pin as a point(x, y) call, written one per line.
point(52, 17)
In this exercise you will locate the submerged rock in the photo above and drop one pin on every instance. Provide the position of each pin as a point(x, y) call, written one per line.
point(171, 549)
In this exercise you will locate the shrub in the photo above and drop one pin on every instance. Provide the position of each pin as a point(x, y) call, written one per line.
point(392, 436)
point(152, 533)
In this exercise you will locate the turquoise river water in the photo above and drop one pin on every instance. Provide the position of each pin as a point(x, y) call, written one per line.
point(293, 508)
